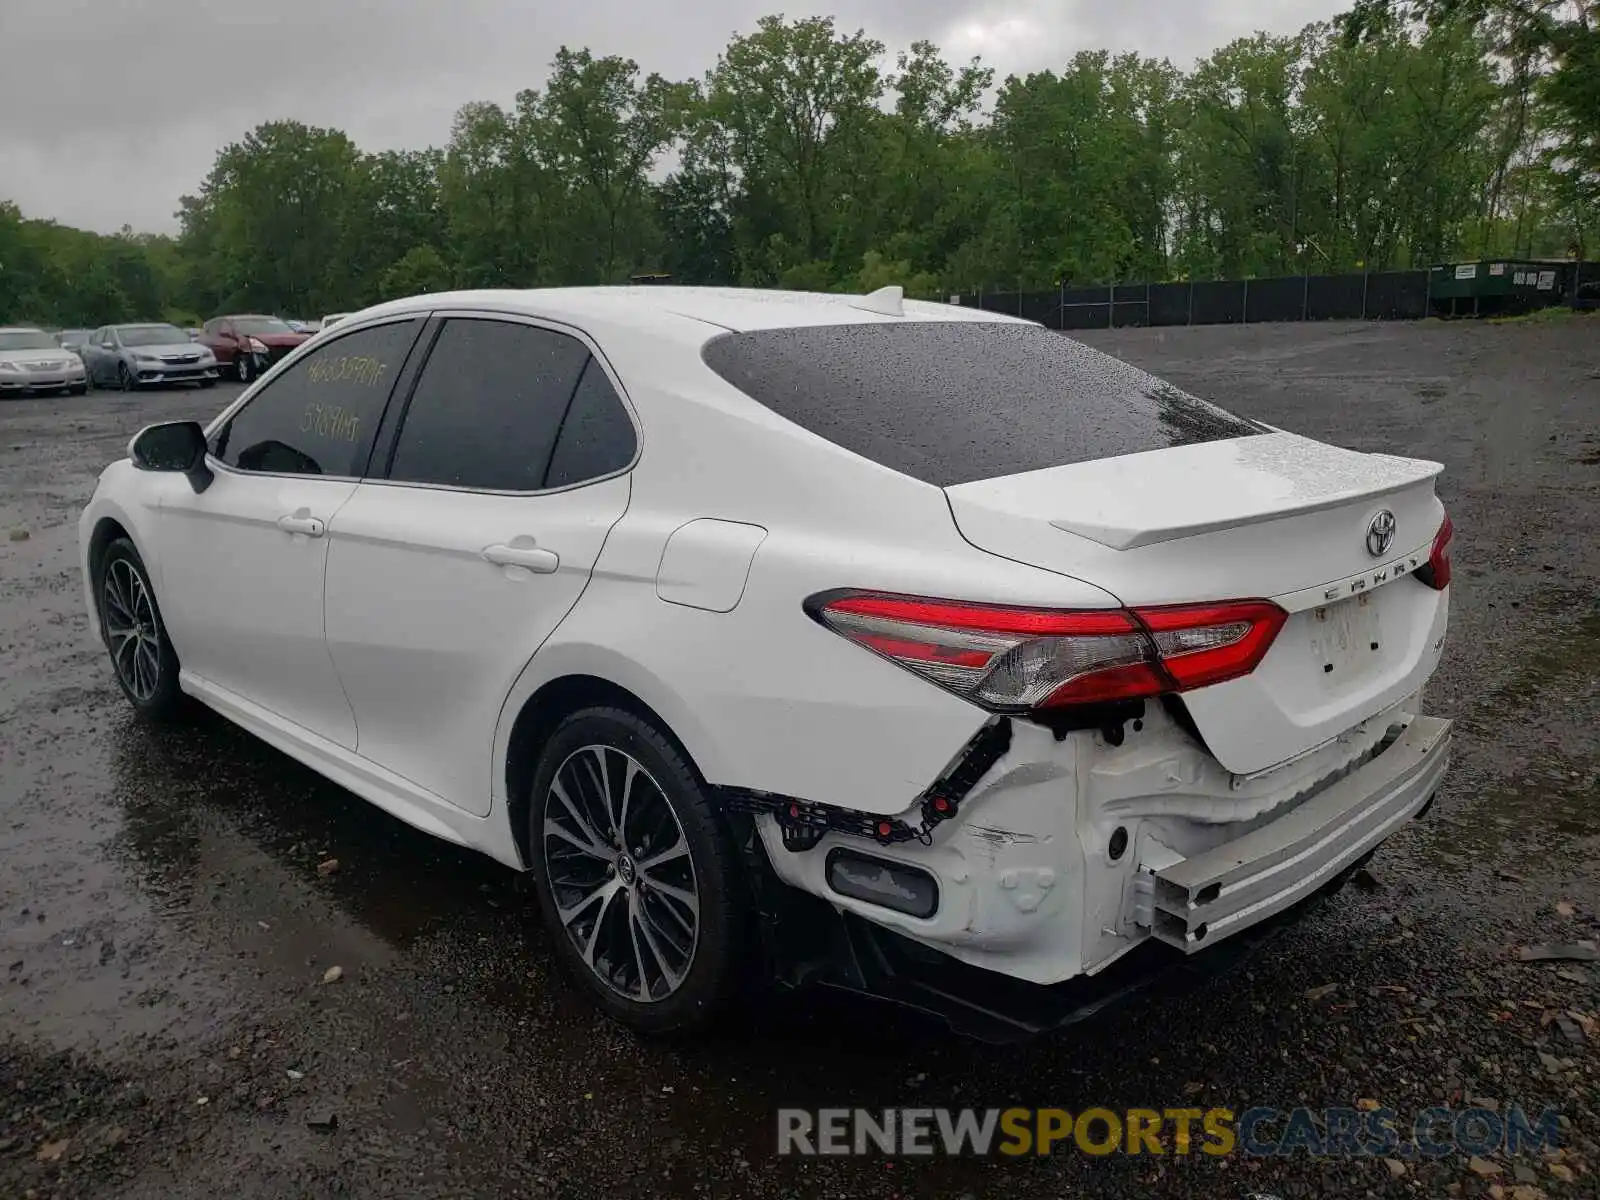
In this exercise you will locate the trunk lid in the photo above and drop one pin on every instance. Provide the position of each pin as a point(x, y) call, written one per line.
point(1272, 516)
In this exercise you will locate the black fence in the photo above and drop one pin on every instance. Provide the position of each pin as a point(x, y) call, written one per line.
point(1375, 296)
point(1586, 289)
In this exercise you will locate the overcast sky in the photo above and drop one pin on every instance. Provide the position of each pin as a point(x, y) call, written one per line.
point(112, 109)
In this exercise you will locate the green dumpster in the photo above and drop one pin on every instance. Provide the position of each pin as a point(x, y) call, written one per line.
point(1493, 286)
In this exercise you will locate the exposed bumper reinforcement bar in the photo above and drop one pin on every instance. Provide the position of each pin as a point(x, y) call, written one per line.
point(1201, 900)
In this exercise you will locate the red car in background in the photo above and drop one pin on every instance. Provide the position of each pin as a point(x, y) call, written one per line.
point(248, 343)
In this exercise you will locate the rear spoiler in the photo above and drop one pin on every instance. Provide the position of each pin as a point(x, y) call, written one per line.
point(1161, 495)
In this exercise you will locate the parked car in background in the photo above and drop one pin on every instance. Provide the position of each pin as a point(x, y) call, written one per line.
point(249, 343)
point(926, 652)
point(73, 339)
point(133, 356)
point(31, 361)
point(333, 319)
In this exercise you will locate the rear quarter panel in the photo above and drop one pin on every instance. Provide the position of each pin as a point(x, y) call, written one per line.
point(762, 696)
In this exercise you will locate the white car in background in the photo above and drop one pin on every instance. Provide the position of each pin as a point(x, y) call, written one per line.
point(33, 361)
point(905, 647)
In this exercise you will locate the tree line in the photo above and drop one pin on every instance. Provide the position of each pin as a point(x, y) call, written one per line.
point(1402, 133)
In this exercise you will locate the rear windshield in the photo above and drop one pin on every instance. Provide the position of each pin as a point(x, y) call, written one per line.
point(950, 402)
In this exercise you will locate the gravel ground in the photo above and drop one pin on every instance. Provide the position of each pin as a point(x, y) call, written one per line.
point(165, 927)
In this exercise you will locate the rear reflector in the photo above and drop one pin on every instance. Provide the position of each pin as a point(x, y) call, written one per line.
point(1019, 659)
point(1436, 574)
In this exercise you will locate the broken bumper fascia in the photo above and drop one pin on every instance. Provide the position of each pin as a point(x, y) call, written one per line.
point(1201, 900)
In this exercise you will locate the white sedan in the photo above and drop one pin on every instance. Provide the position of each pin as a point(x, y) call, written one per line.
point(909, 648)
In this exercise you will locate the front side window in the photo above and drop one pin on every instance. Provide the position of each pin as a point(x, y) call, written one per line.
point(488, 406)
point(319, 416)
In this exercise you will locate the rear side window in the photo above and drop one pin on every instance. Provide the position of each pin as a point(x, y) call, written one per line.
point(597, 437)
point(951, 402)
point(319, 416)
point(488, 406)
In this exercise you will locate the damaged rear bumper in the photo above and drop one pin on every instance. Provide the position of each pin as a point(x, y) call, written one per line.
point(1207, 897)
point(812, 944)
point(1077, 864)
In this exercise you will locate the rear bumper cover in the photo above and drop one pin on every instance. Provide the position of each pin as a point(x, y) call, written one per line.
point(1202, 899)
point(1236, 893)
point(809, 943)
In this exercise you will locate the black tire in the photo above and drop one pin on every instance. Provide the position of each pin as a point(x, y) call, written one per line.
point(712, 974)
point(125, 379)
point(244, 368)
point(160, 700)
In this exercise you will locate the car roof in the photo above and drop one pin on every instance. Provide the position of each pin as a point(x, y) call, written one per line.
point(661, 308)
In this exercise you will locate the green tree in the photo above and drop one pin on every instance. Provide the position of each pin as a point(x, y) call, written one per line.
point(604, 129)
point(279, 220)
point(794, 102)
point(419, 271)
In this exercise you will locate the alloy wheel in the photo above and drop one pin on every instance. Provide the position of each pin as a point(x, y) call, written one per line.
point(621, 873)
point(124, 378)
point(131, 630)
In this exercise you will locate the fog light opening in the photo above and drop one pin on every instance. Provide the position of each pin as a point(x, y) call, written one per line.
point(883, 882)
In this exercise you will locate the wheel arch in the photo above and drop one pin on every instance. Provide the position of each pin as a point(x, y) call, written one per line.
point(556, 698)
point(106, 530)
point(109, 525)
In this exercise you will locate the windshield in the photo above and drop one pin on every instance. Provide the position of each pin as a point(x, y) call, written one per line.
point(27, 339)
point(948, 402)
point(256, 326)
point(151, 335)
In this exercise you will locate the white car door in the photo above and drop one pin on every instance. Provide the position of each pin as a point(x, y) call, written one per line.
point(473, 539)
point(242, 562)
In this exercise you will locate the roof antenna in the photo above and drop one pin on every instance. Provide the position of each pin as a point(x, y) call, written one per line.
point(886, 300)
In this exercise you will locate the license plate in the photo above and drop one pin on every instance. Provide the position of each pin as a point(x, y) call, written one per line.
point(1346, 638)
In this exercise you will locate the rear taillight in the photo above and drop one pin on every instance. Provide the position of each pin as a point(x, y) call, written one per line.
point(1017, 659)
point(1437, 572)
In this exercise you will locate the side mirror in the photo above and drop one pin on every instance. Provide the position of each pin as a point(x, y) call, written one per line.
point(174, 446)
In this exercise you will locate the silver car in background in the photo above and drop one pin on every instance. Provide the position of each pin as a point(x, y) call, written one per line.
point(73, 339)
point(31, 361)
point(134, 356)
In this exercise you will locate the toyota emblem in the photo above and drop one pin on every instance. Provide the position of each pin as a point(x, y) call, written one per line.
point(1380, 534)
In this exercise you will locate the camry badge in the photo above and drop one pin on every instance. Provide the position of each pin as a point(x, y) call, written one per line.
point(1380, 534)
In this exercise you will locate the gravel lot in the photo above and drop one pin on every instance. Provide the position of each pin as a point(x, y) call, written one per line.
point(164, 926)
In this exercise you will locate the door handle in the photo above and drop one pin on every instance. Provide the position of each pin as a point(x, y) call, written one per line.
point(533, 558)
point(301, 523)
